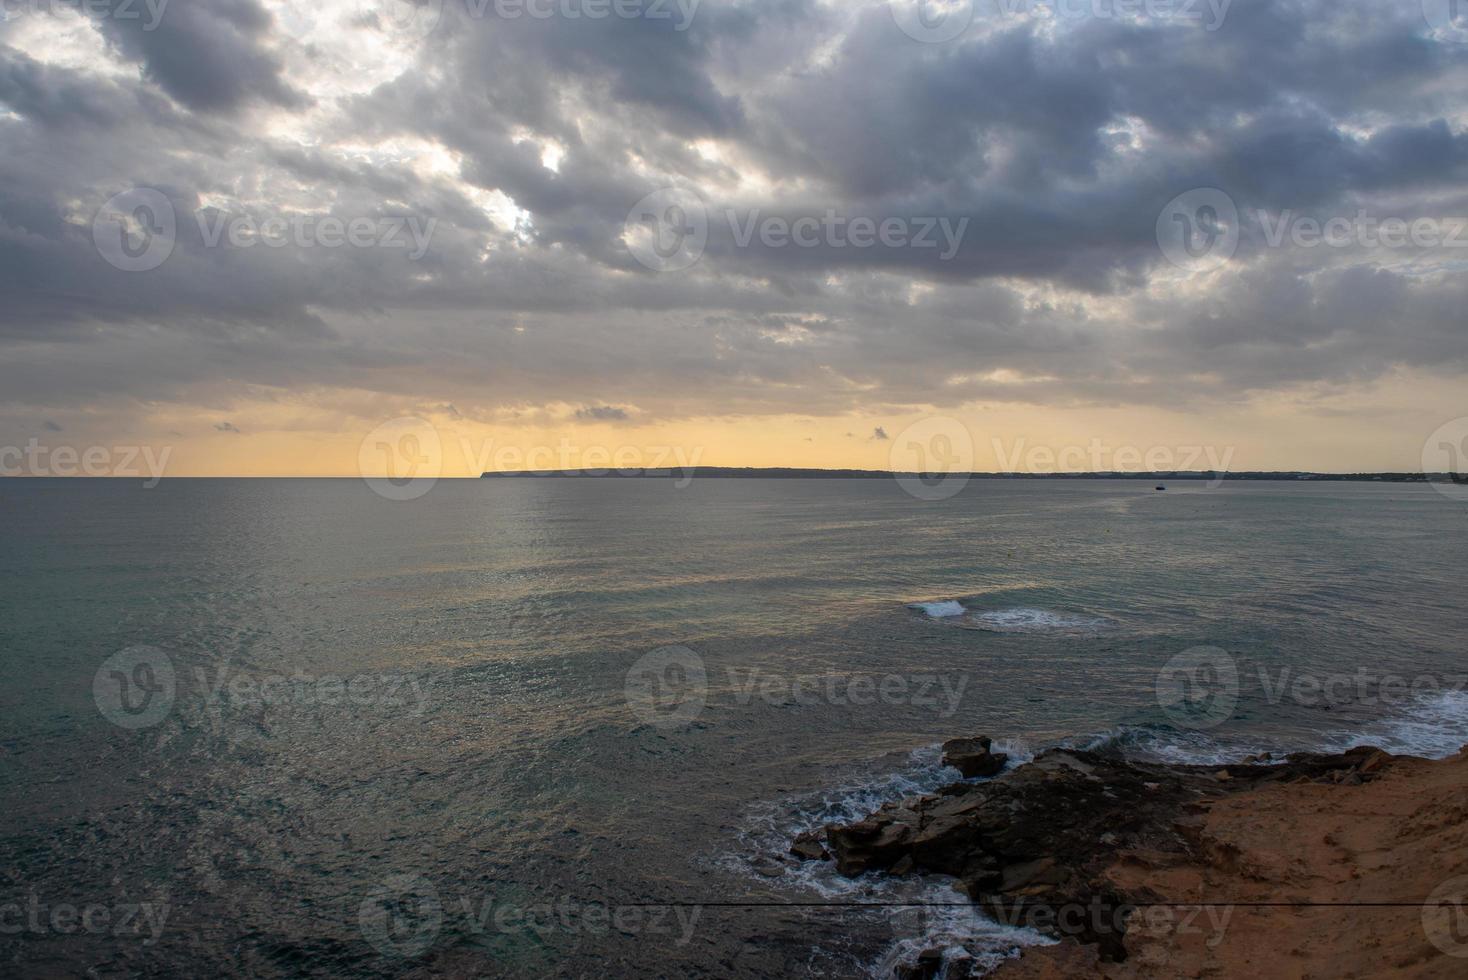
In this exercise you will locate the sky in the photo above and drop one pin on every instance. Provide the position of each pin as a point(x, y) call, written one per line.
point(272, 237)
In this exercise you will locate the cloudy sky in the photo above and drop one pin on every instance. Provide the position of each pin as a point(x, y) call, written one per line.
point(766, 231)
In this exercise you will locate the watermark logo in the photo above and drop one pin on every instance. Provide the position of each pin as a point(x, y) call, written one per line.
point(1445, 917)
point(939, 21)
point(932, 21)
point(839, 231)
point(1199, 230)
point(667, 230)
point(1447, 18)
point(1199, 687)
point(1100, 457)
point(667, 688)
point(941, 693)
point(1446, 451)
point(135, 688)
point(38, 459)
point(933, 458)
point(150, 12)
point(310, 231)
point(401, 917)
point(1362, 230)
point(114, 919)
point(591, 460)
point(139, 687)
point(683, 10)
point(401, 459)
point(413, 19)
point(136, 231)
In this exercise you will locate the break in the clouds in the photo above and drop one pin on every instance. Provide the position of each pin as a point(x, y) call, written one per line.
point(723, 209)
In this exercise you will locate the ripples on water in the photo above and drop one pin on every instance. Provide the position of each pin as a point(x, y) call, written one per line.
point(523, 775)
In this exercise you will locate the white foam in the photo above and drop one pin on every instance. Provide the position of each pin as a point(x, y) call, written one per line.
point(1163, 743)
point(919, 911)
point(940, 610)
point(1028, 620)
point(961, 932)
point(1434, 727)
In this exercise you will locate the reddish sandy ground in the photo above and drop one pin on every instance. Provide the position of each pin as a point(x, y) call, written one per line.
point(1400, 838)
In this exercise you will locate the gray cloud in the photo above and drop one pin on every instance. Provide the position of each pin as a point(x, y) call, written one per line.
point(1060, 148)
point(602, 413)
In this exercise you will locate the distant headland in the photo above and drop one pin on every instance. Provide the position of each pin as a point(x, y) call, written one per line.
point(807, 473)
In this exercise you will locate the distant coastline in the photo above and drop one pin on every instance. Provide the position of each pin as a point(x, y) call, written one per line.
point(805, 473)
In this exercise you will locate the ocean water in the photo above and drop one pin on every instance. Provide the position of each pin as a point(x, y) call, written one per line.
point(567, 727)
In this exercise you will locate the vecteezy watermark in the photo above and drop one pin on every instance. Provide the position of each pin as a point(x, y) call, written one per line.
point(223, 689)
point(150, 12)
point(410, 19)
point(1200, 687)
point(401, 459)
point(668, 230)
point(681, 12)
point(1361, 230)
point(1098, 917)
point(135, 688)
point(1445, 917)
point(403, 917)
point(669, 688)
point(117, 919)
point(1099, 457)
point(404, 458)
point(138, 230)
point(1446, 452)
point(36, 459)
point(139, 688)
point(1199, 230)
point(1447, 18)
point(570, 458)
point(940, 692)
point(932, 458)
point(937, 21)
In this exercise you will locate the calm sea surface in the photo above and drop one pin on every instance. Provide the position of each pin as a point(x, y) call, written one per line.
point(565, 727)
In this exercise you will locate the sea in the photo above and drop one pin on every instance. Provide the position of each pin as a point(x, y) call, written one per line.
point(551, 727)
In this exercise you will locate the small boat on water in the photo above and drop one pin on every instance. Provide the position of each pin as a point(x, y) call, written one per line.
point(1159, 487)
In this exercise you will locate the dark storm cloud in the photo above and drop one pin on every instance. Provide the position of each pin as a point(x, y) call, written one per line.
point(602, 413)
point(207, 54)
point(1056, 148)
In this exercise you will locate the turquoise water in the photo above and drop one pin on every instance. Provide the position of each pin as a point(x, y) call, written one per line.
point(366, 692)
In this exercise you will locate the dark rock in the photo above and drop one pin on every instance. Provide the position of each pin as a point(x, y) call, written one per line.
point(972, 757)
point(928, 966)
point(808, 846)
point(1041, 836)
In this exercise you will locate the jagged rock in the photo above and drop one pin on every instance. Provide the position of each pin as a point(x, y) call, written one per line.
point(928, 966)
point(808, 846)
point(1041, 836)
point(972, 757)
